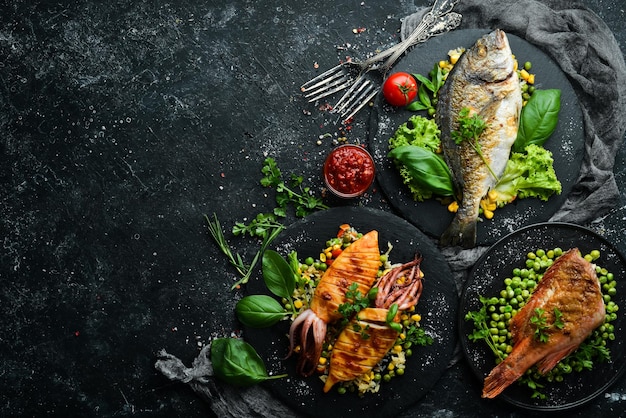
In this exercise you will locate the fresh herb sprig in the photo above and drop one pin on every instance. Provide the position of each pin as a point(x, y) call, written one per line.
point(470, 128)
point(355, 303)
point(244, 269)
point(292, 191)
point(267, 226)
point(538, 320)
point(428, 90)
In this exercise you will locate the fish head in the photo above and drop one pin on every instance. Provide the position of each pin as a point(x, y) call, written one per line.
point(490, 59)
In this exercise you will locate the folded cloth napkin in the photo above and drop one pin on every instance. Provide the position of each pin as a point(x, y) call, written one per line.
point(588, 53)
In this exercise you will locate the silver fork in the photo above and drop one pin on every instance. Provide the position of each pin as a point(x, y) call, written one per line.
point(364, 88)
point(437, 20)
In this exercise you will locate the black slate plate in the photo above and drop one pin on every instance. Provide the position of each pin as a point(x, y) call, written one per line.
point(438, 307)
point(566, 143)
point(486, 279)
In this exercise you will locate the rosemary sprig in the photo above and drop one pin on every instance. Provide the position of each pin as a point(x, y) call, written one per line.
point(235, 259)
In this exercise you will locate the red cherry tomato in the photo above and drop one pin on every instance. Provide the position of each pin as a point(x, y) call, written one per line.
point(400, 89)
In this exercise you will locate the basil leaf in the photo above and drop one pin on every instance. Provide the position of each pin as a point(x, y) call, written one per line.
point(427, 169)
point(236, 362)
point(277, 274)
point(416, 105)
point(424, 81)
point(259, 311)
point(538, 119)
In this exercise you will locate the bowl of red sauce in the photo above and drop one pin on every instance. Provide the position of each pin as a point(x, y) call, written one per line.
point(349, 170)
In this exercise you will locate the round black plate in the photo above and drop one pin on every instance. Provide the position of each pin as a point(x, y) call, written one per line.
point(438, 307)
point(566, 143)
point(486, 279)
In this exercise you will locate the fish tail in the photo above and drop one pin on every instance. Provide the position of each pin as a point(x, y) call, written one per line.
point(499, 379)
point(460, 232)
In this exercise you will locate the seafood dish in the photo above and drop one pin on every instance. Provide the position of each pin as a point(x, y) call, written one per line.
point(570, 297)
point(485, 82)
point(368, 337)
point(359, 263)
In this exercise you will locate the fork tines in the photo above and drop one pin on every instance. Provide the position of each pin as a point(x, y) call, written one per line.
point(327, 83)
point(357, 96)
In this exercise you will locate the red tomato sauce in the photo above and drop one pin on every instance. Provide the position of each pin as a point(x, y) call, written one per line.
point(349, 170)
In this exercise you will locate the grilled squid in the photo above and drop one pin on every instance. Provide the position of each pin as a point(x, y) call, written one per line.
point(358, 263)
point(365, 341)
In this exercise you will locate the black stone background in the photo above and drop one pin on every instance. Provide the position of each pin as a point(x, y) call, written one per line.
point(122, 123)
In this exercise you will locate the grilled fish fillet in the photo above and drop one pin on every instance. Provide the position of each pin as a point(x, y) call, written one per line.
point(485, 81)
point(569, 285)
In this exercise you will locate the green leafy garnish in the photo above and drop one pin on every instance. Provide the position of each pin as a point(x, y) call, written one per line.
point(289, 192)
point(259, 311)
point(428, 171)
point(428, 90)
point(416, 335)
point(267, 226)
point(538, 320)
point(391, 314)
point(558, 319)
point(539, 118)
point(355, 303)
point(528, 174)
point(278, 275)
point(245, 270)
point(469, 130)
point(481, 327)
point(237, 363)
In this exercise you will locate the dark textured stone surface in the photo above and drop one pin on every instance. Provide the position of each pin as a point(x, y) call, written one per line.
point(121, 125)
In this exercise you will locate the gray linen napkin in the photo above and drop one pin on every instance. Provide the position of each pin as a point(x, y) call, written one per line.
point(588, 53)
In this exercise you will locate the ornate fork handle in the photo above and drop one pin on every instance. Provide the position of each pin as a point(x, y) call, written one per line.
point(437, 20)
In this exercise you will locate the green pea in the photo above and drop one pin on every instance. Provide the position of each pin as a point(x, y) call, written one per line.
point(528, 65)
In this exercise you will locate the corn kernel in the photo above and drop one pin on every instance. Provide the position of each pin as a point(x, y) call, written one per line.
point(442, 64)
point(397, 348)
point(336, 247)
point(453, 207)
point(492, 195)
point(524, 74)
point(322, 257)
point(297, 304)
point(531, 79)
point(403, 336)
point(322, 361)
point(297, 349)
point(416, 317)
point(391, 366)
point(404, 317)
point(488, 214)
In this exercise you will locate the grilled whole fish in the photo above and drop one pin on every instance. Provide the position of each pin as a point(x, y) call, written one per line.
point(485, 81)
point(569, 285)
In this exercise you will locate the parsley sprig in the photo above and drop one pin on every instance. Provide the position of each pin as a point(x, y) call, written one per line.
point(470, 128)
point(355, 303)
point(538, 320)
